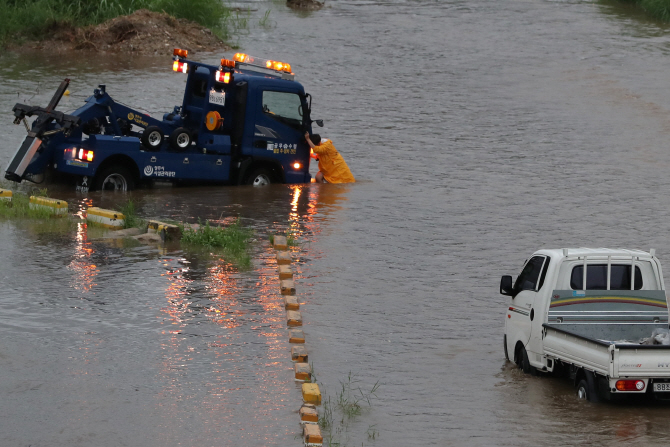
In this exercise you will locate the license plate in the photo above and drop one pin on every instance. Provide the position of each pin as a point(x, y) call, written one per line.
point(662, 386)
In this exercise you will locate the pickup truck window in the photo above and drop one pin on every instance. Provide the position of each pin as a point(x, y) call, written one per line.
point(596, 277)
point(283, 107)
point(530, 274)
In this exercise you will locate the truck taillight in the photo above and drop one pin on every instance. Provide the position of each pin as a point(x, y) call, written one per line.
point(630, 385)
point(180, 66)
point(85, 154)
point(222, 77)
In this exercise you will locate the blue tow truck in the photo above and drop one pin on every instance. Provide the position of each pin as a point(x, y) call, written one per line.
point(242, 122)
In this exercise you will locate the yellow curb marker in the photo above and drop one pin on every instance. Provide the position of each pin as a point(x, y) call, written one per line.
point(6, 194)
point(296, 336)
point(284, 258)
point(311, 393)
point(285, 272)
point(308, 414)
point(312, 435)
point(55, 206)
point(293, 318)
point(280, 243)
point(287, 287)
point(299, 353)
point(291, 302)
point(105, 218)
point(302, 371)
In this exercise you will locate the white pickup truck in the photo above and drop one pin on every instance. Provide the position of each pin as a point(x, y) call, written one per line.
point(598, 316)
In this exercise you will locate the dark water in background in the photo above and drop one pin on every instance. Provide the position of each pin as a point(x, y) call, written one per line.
point(479, 132)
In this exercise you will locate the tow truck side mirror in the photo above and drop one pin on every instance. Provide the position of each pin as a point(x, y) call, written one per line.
point(506, 287)
point(319, 123)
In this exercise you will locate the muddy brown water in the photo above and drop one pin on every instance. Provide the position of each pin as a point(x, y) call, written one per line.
point(479, 132)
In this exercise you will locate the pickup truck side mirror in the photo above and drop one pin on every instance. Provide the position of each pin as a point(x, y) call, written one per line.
point(506, 287)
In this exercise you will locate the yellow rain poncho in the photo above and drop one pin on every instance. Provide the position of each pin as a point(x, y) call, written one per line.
point(331, 164)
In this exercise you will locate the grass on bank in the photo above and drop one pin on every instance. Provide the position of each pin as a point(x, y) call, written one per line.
point(658, 9)
point(232, 240)
point(131, 218)
point(32, 19)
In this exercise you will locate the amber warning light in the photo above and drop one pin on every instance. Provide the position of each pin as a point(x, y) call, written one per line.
point(265, 63)
point(180, 53)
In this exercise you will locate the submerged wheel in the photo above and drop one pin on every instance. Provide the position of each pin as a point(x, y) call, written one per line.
point(152, 137)
point(524, 363)
point(115, 178)
point(180, 139)
point(259, 177)
point(505, 347)
point(586, 389)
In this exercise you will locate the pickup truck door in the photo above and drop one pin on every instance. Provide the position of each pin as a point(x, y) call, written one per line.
point(521, 311)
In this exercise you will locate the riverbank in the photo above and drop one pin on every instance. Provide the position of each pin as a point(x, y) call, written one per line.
point(145, 26)
point(657, 9)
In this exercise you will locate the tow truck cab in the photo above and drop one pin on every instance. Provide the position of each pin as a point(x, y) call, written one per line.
point(241, 122)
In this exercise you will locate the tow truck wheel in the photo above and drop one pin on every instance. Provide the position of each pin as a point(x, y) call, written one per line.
point(152, 137)
point(180, 139)
point(115, 178)
point(259, 177)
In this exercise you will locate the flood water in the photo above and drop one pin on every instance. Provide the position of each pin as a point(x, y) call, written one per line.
point(478, 131)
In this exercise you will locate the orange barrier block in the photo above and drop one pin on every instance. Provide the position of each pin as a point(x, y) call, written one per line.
point(285, 272)
point(311, 393)
point(287, 287)
point(296, 336)
point(291, 302)
point(284, 258)
point(299, 353)
point(308, 414)
point(280, 243)
point(302, 371)
point(293, 318)
point(312, 435)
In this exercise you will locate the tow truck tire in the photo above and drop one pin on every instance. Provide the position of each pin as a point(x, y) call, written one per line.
point(152, 138)
point(115, 178)
point(180, 139)
point(259, 177)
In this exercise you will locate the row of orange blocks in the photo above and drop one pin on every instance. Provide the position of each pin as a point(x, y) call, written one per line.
point(311, 395)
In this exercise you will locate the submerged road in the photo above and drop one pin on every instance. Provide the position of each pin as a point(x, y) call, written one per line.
point(478, 131)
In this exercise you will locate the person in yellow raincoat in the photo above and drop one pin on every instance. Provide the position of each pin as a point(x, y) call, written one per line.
point(332, 167)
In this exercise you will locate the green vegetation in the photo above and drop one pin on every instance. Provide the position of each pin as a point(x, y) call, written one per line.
point(35, 18)
point(338, 413)
point(658, 9)
point(19, 207)
point(233, 240)
point(132, 220)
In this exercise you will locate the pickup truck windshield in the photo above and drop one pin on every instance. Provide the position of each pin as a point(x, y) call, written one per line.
point(596, 277)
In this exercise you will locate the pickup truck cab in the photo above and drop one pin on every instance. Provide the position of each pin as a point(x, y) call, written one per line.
point(598, 316)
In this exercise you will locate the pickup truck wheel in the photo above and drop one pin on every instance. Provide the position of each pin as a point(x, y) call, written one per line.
point(115, 178)
point(152, 137)
point(586, 389)
point(259, 177)
point(525, 363)
point(180, 139)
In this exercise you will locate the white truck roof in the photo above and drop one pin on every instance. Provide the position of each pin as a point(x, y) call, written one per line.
point(602, 253)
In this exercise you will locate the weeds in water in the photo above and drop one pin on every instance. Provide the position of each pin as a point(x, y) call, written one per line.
point(265, 21)
point(233, 240)
point(132, 220)
point(350, 402)
point(658, 9)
